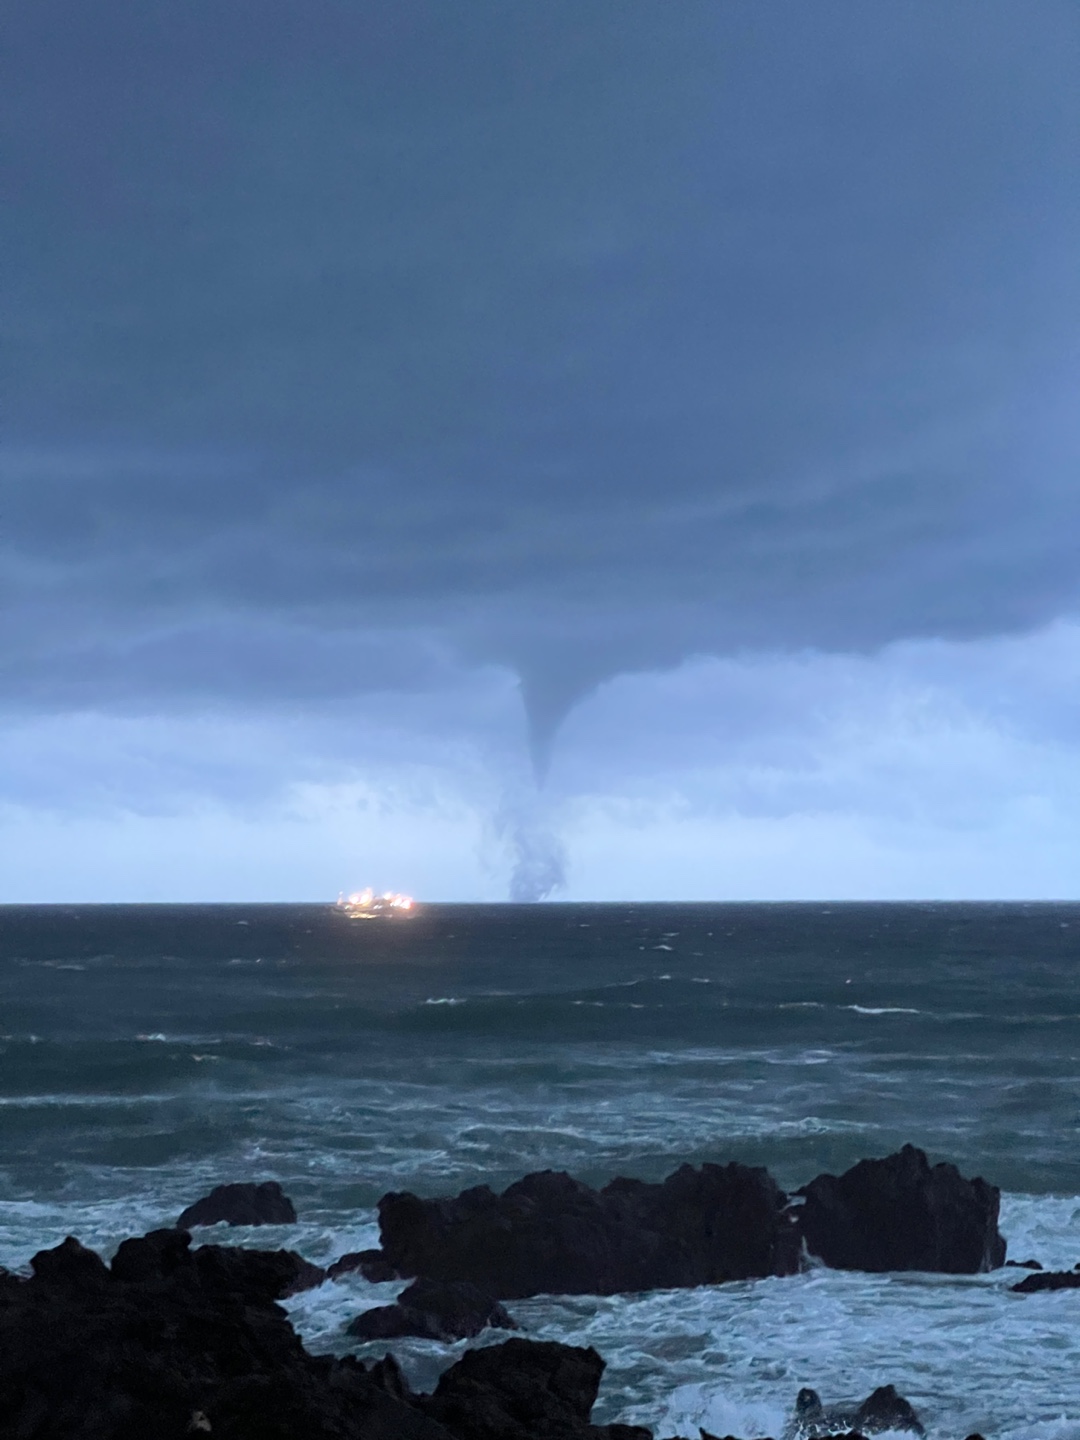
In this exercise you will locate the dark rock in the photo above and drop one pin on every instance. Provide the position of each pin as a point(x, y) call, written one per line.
point(551, 1234)
point(387, 1374)
point(269, 1274)
point(69, 1264)
point(522, 1390)
point(814, 1421)
point(246, 1204)
point(1048, 1280)
point(372, 1264)
point(151, 1257)
point(1025, 1264)
point(434, 1310)
point(902, 1214)
point(260, 1275)
point(810, 1417)
point(174, 1342)
point(884, 1409)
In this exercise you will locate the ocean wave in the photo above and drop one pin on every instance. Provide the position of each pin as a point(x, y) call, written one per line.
point(732, 1357)
point(86, 1102)
point(881, 1009)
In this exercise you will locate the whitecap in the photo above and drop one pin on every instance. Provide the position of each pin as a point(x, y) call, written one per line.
point(881, 1009)
point(697, 1406)
point(1041, 1227)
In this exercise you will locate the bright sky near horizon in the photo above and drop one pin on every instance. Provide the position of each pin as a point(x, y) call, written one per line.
point(611, 450)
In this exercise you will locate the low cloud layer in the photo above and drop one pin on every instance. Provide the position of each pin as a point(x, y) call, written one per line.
point(931, 769)
point(382, 374)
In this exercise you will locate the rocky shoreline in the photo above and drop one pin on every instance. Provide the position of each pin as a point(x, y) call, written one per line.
point(172, 1340)
point(550, 1234)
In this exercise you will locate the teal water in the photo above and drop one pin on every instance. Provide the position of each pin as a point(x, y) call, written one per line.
point(149, 1052)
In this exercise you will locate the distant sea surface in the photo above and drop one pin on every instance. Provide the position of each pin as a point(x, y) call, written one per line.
point(150, 1052)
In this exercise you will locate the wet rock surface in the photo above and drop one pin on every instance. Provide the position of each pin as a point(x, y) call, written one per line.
point(522, 1389)
point(434, 1310)
point(265, 1274)
point(901, 1213)
point(171, 1342)
point(551, 1234)
point(169, 1338)
point(372, 1264)
point(241, 1204)
point(883, 1409)
point(1048, 1280)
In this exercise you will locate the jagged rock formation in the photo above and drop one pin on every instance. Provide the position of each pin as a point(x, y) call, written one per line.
point(372, 1264)
point(901, 1213)
point(242, 1204)
point(434, 1310)
point(267, 1274)
point(524, 1390)
point(171, 1343)
point(1048, 1280)
point(551, 1234)
point(883, 1409)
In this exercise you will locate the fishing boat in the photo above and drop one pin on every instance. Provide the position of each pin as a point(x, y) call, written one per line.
point(367, 905)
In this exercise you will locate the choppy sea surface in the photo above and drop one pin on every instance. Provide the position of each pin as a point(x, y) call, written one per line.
point(149, 1052)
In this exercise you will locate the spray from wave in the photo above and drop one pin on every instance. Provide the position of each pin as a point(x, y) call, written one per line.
point(526, 836)
point(539, 861)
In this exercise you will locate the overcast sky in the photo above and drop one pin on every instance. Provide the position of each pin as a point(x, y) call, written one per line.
point(605, 449)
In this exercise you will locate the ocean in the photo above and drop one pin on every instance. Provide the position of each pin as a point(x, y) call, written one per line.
point(150, 1052)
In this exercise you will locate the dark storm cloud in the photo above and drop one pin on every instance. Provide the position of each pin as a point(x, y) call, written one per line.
point(577, 337)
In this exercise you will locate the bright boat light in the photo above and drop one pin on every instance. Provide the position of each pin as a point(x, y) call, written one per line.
point(366, 905)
